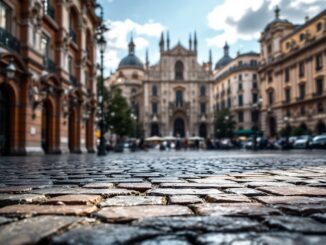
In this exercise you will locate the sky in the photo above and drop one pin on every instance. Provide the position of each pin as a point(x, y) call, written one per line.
point(238, 22)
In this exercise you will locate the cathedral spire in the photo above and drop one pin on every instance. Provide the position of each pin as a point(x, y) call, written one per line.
point(147, 59)
point(162, 43)
point(210, 57)
point(168, 40)
point(131, 45)
point(226, 49)
point(190, 42)
point(195, 42)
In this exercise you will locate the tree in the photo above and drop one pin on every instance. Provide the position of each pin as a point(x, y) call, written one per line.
point(224, 124)
point(118, 113)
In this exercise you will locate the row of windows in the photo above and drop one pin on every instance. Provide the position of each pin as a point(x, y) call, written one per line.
point(155, 108)
point(301, 70)
point(319, 88)
point(302, 110)
point(202, 91)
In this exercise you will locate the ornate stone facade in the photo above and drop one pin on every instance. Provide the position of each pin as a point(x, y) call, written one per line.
point(49, 104)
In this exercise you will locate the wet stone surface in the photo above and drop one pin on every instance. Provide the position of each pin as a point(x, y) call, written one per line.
point(174, 198)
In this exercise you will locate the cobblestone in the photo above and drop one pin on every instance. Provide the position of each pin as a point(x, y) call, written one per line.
point(167, 198)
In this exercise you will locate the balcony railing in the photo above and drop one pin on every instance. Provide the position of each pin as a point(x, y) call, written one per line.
point(49, 65)
point(50, 11)
point(73, 35)
point(9, 41)
point(73, 80)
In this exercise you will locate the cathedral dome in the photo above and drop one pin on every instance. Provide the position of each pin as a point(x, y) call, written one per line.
point(131, 60)
point(226, 59)
point(277, 19)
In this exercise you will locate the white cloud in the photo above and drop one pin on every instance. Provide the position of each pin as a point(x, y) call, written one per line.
point(119, 35)
point(236, 20)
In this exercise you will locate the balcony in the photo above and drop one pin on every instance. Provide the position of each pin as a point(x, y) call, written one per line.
point(73, 80)
point(7, 40)
point(50, 11)
point(184, 106)
point(73, 35)
point(49, 65)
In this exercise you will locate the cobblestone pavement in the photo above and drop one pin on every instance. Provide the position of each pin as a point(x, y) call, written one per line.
point(165, 198)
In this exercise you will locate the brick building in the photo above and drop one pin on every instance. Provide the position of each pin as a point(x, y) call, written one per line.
point(47, 85)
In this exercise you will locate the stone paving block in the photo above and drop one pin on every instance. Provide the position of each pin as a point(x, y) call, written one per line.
point(234, 209)
point(85, 191)
point(141, 212)
point(228, 198)
point(32, 230)
point(213, 180)
point(245, 191)
point(302, 209)
point(5, 220)
point(321, 217)
point(170, 191)
point(202, 224)
point(198, 185)
point(166, 180)
point(125, 180)
point(290, 200)
point(99, 185)
point(185, 199)
point(266, 183)
point(8, 199)
point(32, 209)
point(75, 199)
point(295, 190)
point(15, 189)
point(102, 234)
point(274, 238)
point(133, 201)
point(136, 186)
point(297, 224)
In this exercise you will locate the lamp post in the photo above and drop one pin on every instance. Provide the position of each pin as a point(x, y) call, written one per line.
point(101, 42)
point(256, 107)
point(11, 69)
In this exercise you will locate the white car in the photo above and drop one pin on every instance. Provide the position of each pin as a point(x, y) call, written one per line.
point(303, 142)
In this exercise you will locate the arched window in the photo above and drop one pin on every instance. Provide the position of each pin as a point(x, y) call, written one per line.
point(179, 98)
point(155, 130)
point(202, 91)
point(178, 70)
point(154, 90)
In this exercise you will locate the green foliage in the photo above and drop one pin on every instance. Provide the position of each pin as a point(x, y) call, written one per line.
point(224, 124)
point(118, 113)
point(286, 132)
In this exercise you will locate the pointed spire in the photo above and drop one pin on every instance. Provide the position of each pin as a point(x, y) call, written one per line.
point(168, 40)
point(190, 42)
point(210, 57)
point(195, 42)
point(162, 43)
point(277, 12)
point(147, 59)
point(131, 45)
point(226, 49)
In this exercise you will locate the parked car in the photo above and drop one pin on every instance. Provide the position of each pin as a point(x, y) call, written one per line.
point(226, 144)
point(303, 142)
point(319, 142)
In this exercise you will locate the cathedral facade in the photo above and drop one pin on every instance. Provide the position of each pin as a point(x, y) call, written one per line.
point(174, 97)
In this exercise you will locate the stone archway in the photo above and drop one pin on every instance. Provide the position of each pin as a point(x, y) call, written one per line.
point(203, 130)
point(179, 127)
point(320, 127)
point(272, 126)
point(5, 123)
point(155, 129)
point(48, 127)
point(74, 128)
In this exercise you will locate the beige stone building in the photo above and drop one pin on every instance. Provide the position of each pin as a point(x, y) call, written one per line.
point(173, 97)
point(292, 72)
point(236, 88)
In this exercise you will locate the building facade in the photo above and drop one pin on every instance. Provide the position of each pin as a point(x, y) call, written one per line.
point(47, 86)
point(292, 72)
point(236, 88)
point(173, 97)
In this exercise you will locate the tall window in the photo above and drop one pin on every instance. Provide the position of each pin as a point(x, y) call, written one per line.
point(5, 17)
point(254, 77)
point(302, 91)
point(240, 87)
point(240, 77)
point(287, 74)
point(287, 93)
point(319, 62)
point(270, 97)
point(254, 98)
point(202, 91)
point(320, 108)
point(240, 100)
point(154, 108)
point(70, 65)
point(319, 26)
point(45, 45)
point(154, 90)
point(179, 98)
point(319, 86)
point(179, 70)
point(229, 103)
point(301, 69)
point(240, 116)
point(270, 76)
point(202, 108)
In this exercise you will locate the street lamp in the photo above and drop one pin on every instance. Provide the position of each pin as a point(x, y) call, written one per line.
point(11, 70)
point(101, 42)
